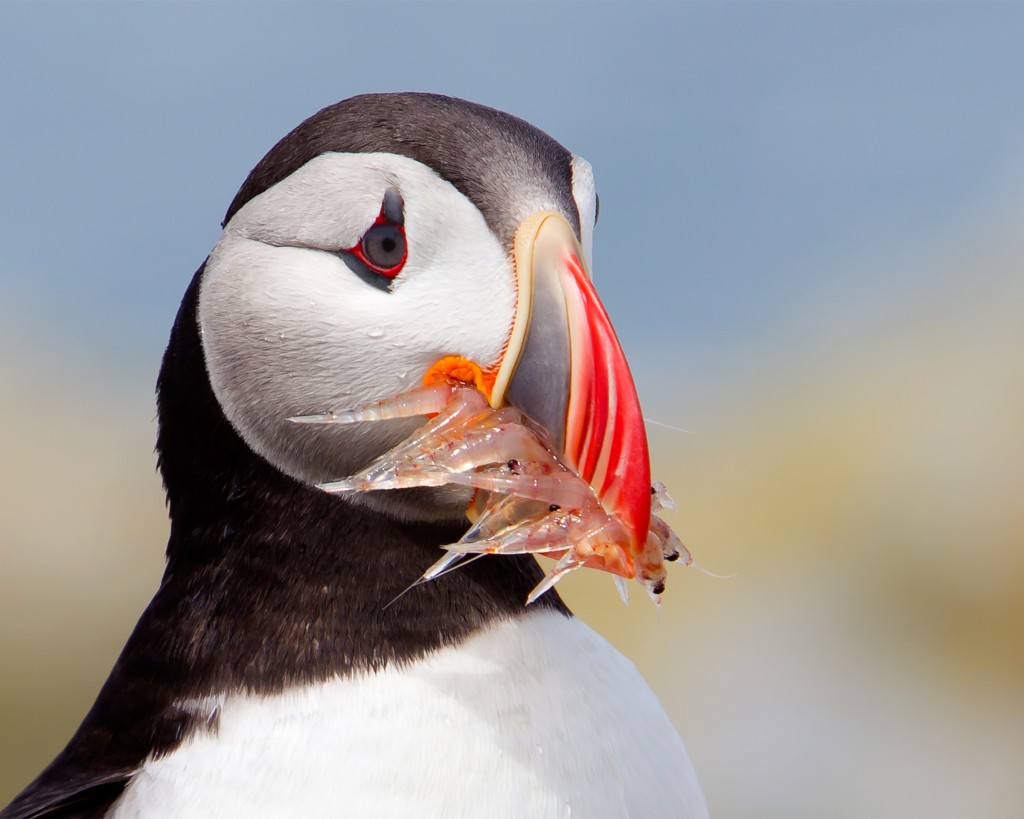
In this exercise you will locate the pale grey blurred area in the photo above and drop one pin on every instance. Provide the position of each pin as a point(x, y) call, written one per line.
point(810, 243)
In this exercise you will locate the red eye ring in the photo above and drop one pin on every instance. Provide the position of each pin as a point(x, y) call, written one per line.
point(383, 249)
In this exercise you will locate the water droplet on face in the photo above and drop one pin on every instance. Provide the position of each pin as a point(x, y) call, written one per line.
point(540, 750)
point(398, 343)
point(376, 332)
point(281, 335)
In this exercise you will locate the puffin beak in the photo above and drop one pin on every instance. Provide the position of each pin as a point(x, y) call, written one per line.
point(565, 369)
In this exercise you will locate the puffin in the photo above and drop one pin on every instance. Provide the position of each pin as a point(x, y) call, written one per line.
point(289, 664)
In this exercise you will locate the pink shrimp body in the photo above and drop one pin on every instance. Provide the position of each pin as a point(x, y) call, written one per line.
point(527, 500)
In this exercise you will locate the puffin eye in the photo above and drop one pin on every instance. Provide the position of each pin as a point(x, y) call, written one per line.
point(383, 248)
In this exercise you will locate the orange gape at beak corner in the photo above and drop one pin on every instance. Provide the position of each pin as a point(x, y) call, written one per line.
point(551, 437)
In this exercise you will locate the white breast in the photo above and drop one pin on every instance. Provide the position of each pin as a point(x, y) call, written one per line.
point(538, 717)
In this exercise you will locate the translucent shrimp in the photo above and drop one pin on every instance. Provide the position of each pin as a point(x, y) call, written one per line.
point(552, 488)
point(427, 400)
point(421, 459)
point(660, 498)
point(526, 501)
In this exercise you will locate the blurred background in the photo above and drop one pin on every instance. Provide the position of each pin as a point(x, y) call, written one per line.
point(811, 244)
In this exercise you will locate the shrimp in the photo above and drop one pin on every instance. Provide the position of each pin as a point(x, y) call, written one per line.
point(526, 500)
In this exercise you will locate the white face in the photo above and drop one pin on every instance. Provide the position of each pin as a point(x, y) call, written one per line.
point(289, 329)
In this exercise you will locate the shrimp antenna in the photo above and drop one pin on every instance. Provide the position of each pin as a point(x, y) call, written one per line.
point(419, 581)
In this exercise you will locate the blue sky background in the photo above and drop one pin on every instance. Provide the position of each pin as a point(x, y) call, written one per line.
point(740, 149)
point(810, 244)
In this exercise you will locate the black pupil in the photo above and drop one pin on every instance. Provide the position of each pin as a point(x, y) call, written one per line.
point(384, 246)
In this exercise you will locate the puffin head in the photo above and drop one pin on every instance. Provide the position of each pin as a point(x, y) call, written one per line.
point(392, 234)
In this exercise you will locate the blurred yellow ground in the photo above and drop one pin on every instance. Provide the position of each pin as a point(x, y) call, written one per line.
point(863, 480)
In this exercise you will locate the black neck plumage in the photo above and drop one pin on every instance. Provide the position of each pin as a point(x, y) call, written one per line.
point(286, 583)
point(269, 583)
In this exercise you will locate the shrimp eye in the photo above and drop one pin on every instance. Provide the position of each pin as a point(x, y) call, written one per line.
point(383, 249)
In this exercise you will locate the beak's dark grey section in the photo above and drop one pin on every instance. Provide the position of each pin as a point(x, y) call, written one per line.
point(496, 160)
point(540, 382)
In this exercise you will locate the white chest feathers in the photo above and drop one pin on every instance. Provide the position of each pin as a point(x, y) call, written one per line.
point(539, 717)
